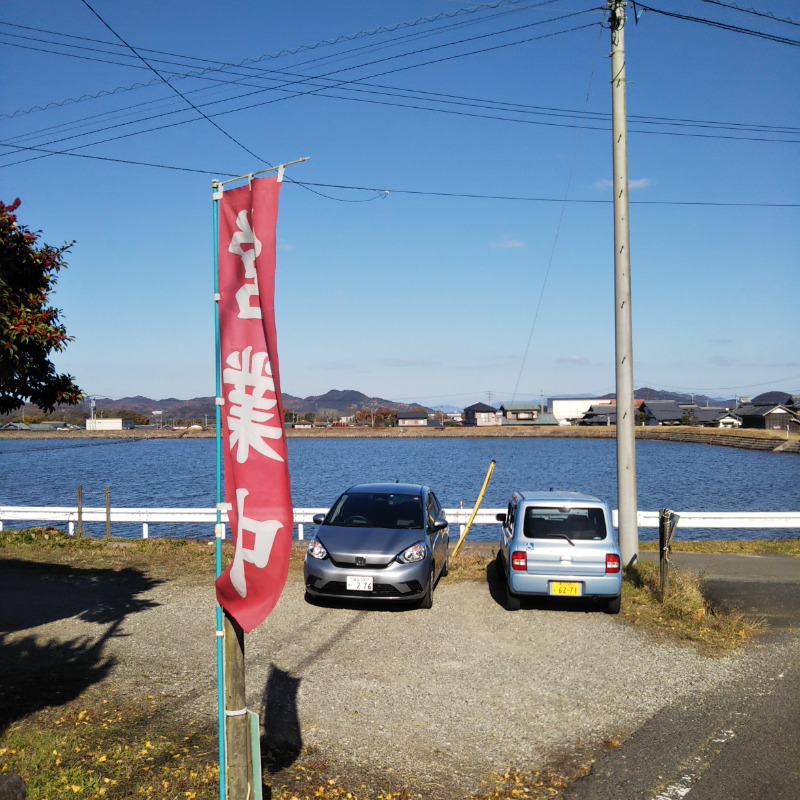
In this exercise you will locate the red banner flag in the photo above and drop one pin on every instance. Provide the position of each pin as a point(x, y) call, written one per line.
point(257, 486)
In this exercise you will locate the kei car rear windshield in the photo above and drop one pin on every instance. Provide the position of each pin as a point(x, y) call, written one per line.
point(377, 510)
point(572, 523)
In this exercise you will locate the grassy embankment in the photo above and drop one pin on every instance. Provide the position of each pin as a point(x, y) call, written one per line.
point(100, 747)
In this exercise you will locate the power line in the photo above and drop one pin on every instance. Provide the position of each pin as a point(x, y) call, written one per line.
point(318, 91)
point(350, 87)
point(753, 11)
point(524, 199)
point(771, 37)
point(384, 192)
point(313, 91)
point(219, 65)
point(177, 91)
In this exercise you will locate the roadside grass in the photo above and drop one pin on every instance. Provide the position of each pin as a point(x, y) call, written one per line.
point(684, 615)
point(759, 547)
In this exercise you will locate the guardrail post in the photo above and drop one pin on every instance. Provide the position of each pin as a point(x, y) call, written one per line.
point(80, 511)
point(108, 512)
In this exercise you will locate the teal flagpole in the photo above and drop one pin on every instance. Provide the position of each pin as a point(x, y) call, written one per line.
point(219, 528)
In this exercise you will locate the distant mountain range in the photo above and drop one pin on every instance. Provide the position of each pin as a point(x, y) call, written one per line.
point(335, 402)
point(341, 402)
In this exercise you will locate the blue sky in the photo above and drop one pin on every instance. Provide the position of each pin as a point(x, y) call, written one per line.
point(432, 292)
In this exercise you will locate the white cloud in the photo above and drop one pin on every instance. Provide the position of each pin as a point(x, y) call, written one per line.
point(578, 361)
point(408, 363)
point(507, 243)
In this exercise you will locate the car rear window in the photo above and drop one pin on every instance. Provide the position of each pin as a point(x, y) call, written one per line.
point(377, 510)
point(574, 523)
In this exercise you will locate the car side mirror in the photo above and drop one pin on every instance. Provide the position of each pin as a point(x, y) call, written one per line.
point(318, 519)
point(501, 517)
point(440, 524)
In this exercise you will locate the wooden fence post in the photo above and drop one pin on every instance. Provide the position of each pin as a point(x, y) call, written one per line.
point(108, 512)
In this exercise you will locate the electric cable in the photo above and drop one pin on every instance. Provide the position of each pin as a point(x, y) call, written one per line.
point(771, 37)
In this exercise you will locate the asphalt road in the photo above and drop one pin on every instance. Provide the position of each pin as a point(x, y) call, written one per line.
point(740, 741)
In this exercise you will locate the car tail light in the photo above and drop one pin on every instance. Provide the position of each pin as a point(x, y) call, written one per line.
point(613, 563)
point(519, 560)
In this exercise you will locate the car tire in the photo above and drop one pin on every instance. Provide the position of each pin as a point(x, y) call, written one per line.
point(427, 598)
point(614, 605)
point(512, 601)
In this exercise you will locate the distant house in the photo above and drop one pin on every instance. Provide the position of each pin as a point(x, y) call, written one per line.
point(46, 426)
point(481, 415)
point(571, 410)
point(709, 417)
point(518, 413)
point(662, 412)
point(546, 418)
point(109, 424)
point(15, 426)
point(605, 413)
point(412, 419)
point(768, 417)
point(600, 414)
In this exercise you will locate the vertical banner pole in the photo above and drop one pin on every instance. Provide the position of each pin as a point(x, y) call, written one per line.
point(218, 528)
point(252, 450)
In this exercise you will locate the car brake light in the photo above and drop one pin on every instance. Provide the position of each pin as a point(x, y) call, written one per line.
point(613, 563)
point(519, 560)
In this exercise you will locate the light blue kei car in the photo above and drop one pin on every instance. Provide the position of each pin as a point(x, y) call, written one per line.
point(559, 544)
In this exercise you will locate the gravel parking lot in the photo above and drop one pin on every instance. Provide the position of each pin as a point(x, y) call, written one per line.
point(438, 699)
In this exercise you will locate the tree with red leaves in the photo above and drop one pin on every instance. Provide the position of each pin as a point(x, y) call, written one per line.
point(30, 328)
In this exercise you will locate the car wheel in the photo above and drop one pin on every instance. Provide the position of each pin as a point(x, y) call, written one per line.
point(614, 605)
point(512, 600)
point(427, 598)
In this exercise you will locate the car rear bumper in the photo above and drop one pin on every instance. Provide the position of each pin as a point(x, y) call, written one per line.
point(590, 585)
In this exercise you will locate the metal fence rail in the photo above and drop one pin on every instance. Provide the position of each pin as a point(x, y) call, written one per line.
point(774, 520)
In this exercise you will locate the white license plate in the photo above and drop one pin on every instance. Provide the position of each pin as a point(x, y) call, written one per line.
point(359, 583)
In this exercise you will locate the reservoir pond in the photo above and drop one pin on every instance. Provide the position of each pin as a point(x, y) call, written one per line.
point(169, 473)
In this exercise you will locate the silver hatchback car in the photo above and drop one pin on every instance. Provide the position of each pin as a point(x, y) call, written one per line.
point(379, 541)
point(559, 544)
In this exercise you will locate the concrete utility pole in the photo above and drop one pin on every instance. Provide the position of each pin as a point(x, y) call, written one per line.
point(626, 418)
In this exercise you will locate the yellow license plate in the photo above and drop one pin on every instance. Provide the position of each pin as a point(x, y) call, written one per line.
point(564, 589)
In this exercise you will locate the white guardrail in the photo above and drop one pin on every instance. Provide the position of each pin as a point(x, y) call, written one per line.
point(774, 520)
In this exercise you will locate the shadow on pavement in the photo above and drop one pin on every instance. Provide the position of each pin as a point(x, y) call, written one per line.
point(39, 670)
point(282, 742)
